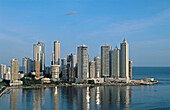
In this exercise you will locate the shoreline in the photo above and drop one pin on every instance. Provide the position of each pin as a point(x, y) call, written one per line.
point(78, 85)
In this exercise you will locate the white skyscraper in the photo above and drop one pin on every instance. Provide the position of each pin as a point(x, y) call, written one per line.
point(105, 60)
point(124, 60)
point(57, 53)
point(7, 75)
point(83, 62)
point(24, 66)
point(92, 69)
point(115, 63)
point(55, 60)
point(97, 67)
point(27, 66)
point(39, 55)
point(1, 71)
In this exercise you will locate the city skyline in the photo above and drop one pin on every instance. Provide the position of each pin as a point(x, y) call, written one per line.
point(145, 25)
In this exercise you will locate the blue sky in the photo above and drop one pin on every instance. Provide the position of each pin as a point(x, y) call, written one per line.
point(144, 23)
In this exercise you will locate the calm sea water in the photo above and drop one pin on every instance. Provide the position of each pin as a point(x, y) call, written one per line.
point(154, 97)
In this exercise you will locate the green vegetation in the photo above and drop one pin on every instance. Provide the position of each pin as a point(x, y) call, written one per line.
point(28, 82)
point(3, 84)
point(91, 82)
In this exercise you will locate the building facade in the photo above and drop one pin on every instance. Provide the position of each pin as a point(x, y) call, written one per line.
point(56, 53)
point(92, 69)
point(37, 68)
point(14, 70)
point(1, 71)
point(82, 62)
point(105, 60)
point(27, 66)
point(39, 55)
point(130, 70)
point(124, 60)
point(55, 71)
point(64, 69)
point(71, 67)
point(97, 67)
point(55, 67)
point(115, 63)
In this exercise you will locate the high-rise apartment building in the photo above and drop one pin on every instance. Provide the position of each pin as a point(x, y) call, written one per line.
point(130, 70)
point(14, 70)
point(71, 67)
point(56, 60)
point(97, 67)
point(37, 68)
point(7, 74)
point(27, 66)
point(39, 55)
point(24, 66)
point(92, 69)
point(64, 69)
point(1, 71)
point(57, 53)
point(105, 60)
point(115, 63)
point(55, 71)
point(124, 60)
point(83, 62)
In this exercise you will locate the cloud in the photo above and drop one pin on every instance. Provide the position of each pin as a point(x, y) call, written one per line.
point(129, 27)
point(71, 13)
point(13, 39)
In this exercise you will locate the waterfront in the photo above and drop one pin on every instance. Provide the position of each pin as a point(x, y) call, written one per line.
point(98, 97)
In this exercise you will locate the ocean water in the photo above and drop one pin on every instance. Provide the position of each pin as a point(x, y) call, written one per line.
point(153, 97)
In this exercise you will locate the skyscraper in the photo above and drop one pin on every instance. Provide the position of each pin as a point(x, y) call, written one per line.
point(105, 60)
point(37, 68)
point(57, 53)
point(27, 65)
point(92, 69)
point(39, 55)
point(71, 66)
point(1, 71)
point(55, 71)
point(14, 70)
point(83, 62)
point(130, 70)
point(24, 65)
point(56, 60)
point(97, 67)
point(64, 69)
point(115, 63)
point(124, 60)
point(7, 74)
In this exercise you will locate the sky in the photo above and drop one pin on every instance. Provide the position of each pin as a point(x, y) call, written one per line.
point(145, 24)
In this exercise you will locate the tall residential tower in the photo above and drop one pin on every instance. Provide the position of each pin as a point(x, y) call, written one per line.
point(105, 60)
point(39, 55)
point(124, 60)
point(56, 60)
point(97, 67)
point(57, 53)
point(115, 63)
point(14, 70)
point(83, 62)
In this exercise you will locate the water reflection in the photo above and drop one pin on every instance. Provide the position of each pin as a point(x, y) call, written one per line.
point(55, 98)
point(72, 98)
point(14, 99)
point(38, 99)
